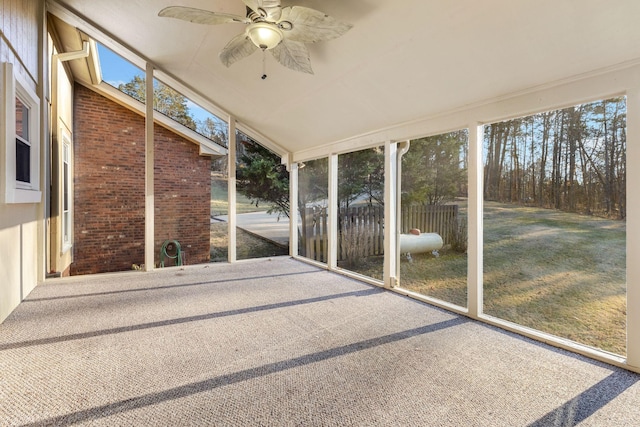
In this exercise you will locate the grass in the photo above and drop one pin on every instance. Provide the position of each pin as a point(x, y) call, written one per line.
point(247, 245)
point(557, 272)
point(552, 271)
point(444, 277)
point(219, 197)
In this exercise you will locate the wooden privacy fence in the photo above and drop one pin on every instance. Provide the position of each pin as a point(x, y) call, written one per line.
point(362, 228)
point(313, 235)
point(430, 219)
point(361, 232)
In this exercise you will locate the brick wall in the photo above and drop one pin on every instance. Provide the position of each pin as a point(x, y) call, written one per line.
point(109, 189)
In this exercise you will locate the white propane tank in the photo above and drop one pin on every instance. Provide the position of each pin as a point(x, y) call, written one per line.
point(424, 242)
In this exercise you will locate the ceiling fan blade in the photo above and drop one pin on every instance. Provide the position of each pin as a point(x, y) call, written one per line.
point(310, 25)
point(200, 16)
point(293, 55)
point(272, 8)
point(239, 47)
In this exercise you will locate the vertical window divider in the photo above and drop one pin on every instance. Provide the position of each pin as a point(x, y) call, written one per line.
point(390, 269)
point(149, 238)
point(332, 212)
point(231, 187)
point(633, 229)
point(293, 208)
point(475, 197)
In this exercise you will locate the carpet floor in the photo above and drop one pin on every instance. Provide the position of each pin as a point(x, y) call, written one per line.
point(277, 342)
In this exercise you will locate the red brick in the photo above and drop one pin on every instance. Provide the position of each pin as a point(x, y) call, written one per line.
point(109, 189)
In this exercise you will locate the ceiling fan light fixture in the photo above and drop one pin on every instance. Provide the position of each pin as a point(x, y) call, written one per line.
point(269, 26)
point(264, 35)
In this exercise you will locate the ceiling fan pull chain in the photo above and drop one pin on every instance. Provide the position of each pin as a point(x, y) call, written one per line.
point(264, 64)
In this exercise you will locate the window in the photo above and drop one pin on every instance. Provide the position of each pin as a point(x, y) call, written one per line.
point(554, 223)
point(313, 201)
point(130, 80)
point(23, 146)
point(262, 184)
point(433, 218)
point(19, 141)
point(66, 191)
point(361, 212)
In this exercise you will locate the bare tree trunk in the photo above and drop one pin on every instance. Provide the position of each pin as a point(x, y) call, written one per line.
point(488, 167)
point(504, 137)
point(586, 178)
point(607, 162)
point(575, 135)
point(533, 165)
point(544, 148)
point(515, 161)
point(556, 174)
point(618, 164)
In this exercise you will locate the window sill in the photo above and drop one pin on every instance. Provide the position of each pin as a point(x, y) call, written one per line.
point(24, 196)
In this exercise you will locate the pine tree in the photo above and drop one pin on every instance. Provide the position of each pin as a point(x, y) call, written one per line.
point(165, 99)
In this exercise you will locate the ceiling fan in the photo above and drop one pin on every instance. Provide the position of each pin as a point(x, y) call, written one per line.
point(282, 31)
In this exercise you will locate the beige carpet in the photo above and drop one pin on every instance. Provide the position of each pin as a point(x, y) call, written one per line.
point(281, 343)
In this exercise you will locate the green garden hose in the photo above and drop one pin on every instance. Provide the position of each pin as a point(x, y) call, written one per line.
point(171, 245)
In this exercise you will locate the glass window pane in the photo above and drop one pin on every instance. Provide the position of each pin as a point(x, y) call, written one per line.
point(66, 190)
point(361, 212)
point(22, 120)
point(219, 209)
point(66, 218)
point(313, 193)
point(23, 161)
point(262, 201)
point(433, 239)
point(554, 223)
point(129, 79)
point(65, 198)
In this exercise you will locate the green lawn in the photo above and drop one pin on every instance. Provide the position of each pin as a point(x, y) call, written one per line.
point(247, 245)
point(219, 197)
point(557, 272)
point(552, 271)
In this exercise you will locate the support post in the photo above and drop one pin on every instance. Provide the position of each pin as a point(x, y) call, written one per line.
point(293, 209)
point(633, 229)
point(390, 268)
point(332, 222)
point(231, 187)
point(43, 227)
point(474, 252)
point(149, 159)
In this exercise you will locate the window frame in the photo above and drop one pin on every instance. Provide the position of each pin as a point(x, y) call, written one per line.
point(23, 138)
point(66, 200)
point(14, 86)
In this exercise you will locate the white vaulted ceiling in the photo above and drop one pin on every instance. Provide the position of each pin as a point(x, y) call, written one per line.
point(402, 60)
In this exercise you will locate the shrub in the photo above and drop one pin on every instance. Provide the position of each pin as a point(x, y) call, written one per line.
point(354, 242)
point(458, 235)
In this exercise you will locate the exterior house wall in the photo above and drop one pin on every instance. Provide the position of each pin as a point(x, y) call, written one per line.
point(20, 26)
point(109, 189)
point(60, 254)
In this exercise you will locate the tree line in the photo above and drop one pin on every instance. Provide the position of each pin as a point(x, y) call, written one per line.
point(572, 159)
point(173, 104)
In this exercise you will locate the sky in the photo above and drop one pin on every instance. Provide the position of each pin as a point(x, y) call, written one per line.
point(117, 70)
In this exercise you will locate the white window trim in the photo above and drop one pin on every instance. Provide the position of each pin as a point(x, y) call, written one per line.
point(12, 85)
point(66, 228)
